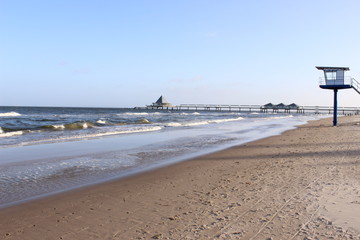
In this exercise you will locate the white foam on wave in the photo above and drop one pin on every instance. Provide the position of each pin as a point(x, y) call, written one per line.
point(281, 117)
point(173, 124)
point(196, 123)
point(10, 134)
point(186, 114)
point(133, 130)
point(144, 120)
point(58, 126)
point(186, 124)
point(71, 126)
point(133, 114)
point(101, 121)
point(95, 135)
point(78, 125)
point(10, 114)
point(189, 124)
point(1, 131)
point(226, 120)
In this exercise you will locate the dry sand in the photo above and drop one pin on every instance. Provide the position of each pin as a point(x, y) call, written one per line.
point(303, 184)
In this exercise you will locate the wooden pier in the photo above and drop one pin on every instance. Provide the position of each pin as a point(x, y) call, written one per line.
point(257, 108)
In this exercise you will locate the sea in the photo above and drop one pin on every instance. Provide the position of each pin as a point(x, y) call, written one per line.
point(47, 150)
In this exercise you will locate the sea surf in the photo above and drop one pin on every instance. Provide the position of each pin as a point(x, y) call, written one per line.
point(48, 150)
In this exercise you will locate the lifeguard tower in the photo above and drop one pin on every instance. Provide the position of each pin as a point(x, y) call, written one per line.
point(334, 78)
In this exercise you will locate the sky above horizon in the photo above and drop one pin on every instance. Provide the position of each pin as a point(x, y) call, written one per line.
point(92, 53)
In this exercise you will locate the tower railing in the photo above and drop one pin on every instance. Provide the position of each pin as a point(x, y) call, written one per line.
point(344, 81)
point(347, 81)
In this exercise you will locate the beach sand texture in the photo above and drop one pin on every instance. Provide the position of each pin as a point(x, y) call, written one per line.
point(303, 184)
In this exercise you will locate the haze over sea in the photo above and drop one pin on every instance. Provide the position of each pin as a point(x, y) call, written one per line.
point(49, 150)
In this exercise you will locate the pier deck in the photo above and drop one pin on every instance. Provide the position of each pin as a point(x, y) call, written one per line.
point(257, 108)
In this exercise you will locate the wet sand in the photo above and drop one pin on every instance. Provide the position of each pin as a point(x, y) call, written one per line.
point(303, 184)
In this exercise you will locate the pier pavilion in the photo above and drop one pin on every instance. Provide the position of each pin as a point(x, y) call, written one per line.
point(160, 103)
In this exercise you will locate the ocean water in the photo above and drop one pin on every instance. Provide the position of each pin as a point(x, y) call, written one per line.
point(49, 150)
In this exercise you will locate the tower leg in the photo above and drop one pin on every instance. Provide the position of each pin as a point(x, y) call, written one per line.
point(335, 107)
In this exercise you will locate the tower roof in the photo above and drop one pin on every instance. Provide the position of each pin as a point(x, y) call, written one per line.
point(333, 68)
point(161, 100)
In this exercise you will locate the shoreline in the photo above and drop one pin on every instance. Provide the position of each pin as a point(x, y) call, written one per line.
point(34, 171)
point(266, 188)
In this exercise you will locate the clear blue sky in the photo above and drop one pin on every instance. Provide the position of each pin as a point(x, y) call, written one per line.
point(117, 53)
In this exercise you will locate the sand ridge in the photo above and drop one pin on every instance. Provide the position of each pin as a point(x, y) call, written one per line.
point(303, 184)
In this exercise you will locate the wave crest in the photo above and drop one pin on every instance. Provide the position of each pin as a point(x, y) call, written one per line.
point(101, 122)
point(70, 126)
point(189, 124)
point(10, 114)
point(144, 121)
point(134, 114)
point(10, 134)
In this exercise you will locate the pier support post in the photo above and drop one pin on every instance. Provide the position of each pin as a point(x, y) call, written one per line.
point(335, 107)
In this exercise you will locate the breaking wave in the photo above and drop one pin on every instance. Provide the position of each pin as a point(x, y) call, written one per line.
point(102, 122)
point(134, 114)
point(10, 114)
point(281, 117)
point(184, 124)
point(226, 120)
point(10, 134)
point(70, 126)
point(144, 120)
point(186, 114)
point(6, 132)
point(174, 124)
point(133, 130)
point(99, 134)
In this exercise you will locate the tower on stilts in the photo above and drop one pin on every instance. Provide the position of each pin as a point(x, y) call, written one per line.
point(334, 79)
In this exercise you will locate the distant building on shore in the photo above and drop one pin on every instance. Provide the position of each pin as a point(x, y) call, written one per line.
point(160, 103)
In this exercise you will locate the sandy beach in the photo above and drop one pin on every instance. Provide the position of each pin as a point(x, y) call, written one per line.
point(303, 184)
